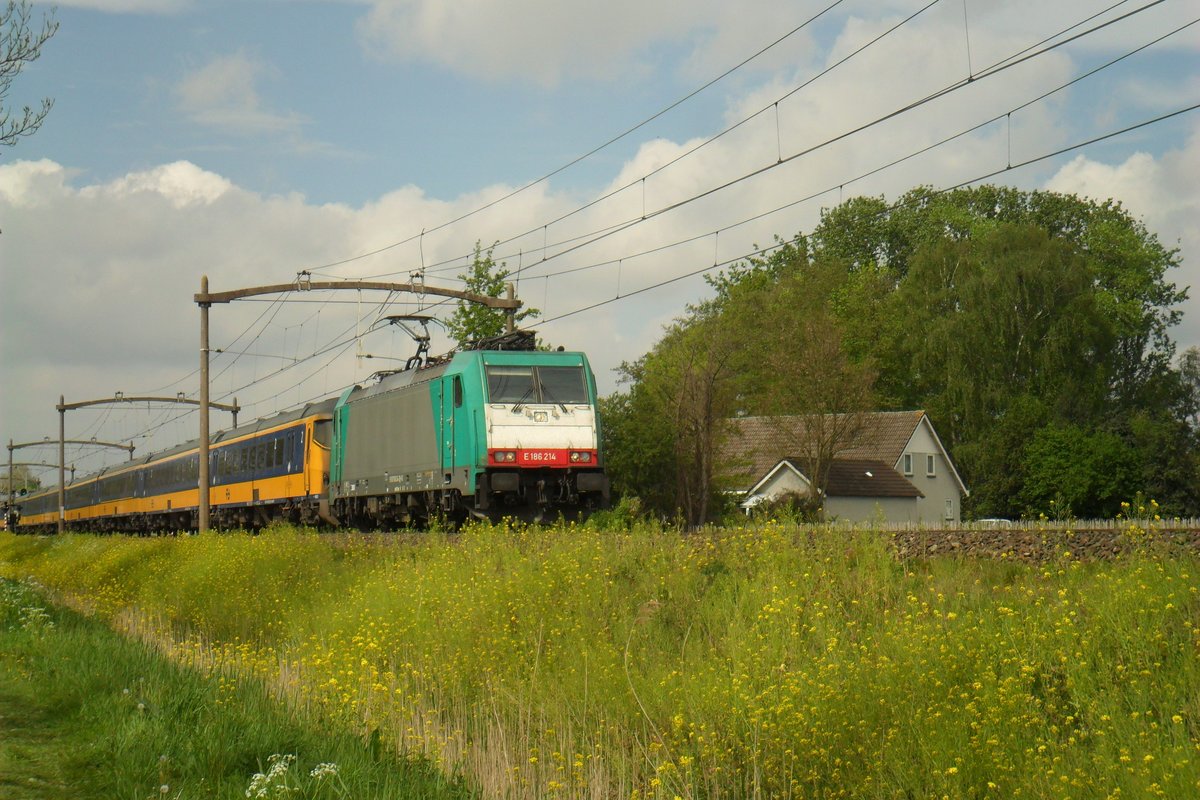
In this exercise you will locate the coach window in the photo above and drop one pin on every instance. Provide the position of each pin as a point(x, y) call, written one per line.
point(322, 432)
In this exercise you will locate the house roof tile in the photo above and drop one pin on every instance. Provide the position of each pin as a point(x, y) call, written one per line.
point(863, 477)
point(754, 444)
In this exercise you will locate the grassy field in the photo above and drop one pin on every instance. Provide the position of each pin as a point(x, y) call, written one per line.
point(85, 713)
point(760, 662)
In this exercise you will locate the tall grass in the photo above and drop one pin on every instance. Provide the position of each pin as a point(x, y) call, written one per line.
point(760, 662)
point(85, 713)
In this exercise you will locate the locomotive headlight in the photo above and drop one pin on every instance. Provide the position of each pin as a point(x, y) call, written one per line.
point(504, 456)
point(581, 457)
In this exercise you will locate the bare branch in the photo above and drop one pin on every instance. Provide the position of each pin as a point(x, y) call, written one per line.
point(20, 44)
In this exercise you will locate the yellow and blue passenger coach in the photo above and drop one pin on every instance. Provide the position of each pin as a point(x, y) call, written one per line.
point(273, 469)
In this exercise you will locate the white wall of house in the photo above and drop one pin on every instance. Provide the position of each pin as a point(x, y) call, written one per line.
point(872, 509)
point(850, 509)
point(784, 481)
point(925, 467)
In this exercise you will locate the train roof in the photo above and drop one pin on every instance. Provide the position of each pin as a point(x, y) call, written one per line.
point(435, 368)
point(402, 379)
point(321, 408)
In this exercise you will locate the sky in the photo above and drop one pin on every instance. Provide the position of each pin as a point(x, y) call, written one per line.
point(611, 152)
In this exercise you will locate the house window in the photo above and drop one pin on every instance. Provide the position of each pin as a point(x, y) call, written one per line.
point(929, 463)
point(908, 463)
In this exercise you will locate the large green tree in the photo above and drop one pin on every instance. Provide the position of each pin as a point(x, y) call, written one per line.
point(1129, 267)
point(1006, 313)
point(769, 343)
point(1014, 310)
point(1029, 324)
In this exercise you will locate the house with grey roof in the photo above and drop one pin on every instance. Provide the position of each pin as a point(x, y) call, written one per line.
point(893, 467)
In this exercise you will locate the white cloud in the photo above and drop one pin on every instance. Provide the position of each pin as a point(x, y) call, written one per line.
point(182, 183)
point(223, 95)
point(1162, 192)
point(547, 41)
point(31, 183)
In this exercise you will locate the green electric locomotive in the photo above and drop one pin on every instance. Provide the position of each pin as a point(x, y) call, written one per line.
point(485, 433)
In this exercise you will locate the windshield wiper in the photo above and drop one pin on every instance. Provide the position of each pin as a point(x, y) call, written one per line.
point(517, 408)
point(547, 395)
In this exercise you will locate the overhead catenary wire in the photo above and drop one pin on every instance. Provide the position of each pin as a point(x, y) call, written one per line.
point(1010, 61)
point(955, 86)
point(735, 126)
point(608, 143)
point(841, 183)
point(236, 389)
point(337, 342)
point(764, 250)
point(1017, 58)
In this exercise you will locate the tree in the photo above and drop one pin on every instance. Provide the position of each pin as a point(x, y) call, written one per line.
point(471, 321)
point(794, 366)
point(671, 423)
point(1166, 460)
point(1012, 317)
point(22, 479)
point(20, 44)
point(769, 343)
point(1127, 263)
point(1013, 310)
point(1189, 371)
point(1006, 313)
point(638, 447)
point(1070, 471)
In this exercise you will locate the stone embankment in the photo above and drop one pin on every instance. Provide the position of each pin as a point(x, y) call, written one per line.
point(1034, 544)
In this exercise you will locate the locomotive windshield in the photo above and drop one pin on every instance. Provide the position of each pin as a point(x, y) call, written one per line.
point(512, 384)
point(562, 385)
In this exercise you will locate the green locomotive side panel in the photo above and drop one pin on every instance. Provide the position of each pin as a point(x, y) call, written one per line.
point(385, 443)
